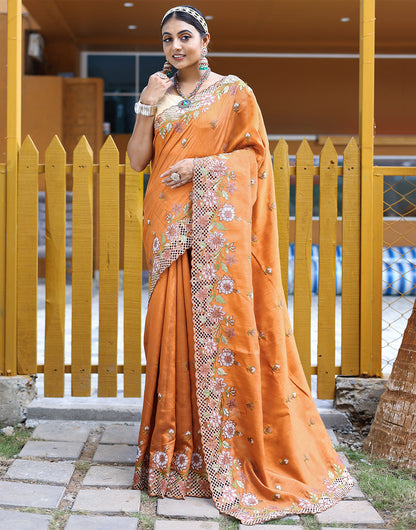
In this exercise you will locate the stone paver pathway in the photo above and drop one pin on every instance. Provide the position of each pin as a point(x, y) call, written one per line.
point(78, 475)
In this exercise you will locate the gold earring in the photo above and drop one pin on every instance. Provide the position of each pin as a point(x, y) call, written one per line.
point(168, 69)
point(203, 63)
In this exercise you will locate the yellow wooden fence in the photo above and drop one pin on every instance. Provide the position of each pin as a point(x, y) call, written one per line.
point(109, 170)
point(56, 170)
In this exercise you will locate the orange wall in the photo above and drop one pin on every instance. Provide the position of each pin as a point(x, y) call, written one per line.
point(62, 56)
point(42, 109)
point(320, 96)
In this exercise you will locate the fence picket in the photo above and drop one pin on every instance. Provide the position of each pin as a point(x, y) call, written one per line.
point(27, 258)
point(82, 244)
point(282, 190)
point(109, 235)
point(328, 192)
point(378, 197)
point(55, 273)
point(109, 267)
point(303, 248)
point(350, 337)
point(133, 281)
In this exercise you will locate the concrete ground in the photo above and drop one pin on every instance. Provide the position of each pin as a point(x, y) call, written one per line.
point(78, 475)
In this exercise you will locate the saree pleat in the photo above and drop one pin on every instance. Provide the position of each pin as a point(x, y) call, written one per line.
point(227, 409)
point(170, 422)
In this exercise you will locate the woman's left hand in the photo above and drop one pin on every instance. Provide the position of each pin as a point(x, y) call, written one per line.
point(184, 168)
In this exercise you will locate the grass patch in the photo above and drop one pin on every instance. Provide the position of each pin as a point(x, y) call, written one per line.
point(82, 465)
point(309, 522)
point(11, 445)
point(391, 490)
point(59, 519)
point(229, 523)
point(147, 513)
point(146, 522)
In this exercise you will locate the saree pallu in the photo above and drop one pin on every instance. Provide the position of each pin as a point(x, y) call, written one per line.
point(227, 410)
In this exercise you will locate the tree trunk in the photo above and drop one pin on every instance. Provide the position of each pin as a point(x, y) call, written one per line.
point(393, 432)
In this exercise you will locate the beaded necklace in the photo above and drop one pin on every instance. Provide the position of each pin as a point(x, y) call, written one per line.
point(186, 101)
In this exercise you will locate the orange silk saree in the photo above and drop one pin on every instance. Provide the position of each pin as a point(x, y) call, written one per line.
point(227, 411)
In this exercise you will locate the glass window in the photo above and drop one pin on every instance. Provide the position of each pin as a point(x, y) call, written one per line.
point(119, 112)
point(118, 71)
point(122, 84)
point(148, 65)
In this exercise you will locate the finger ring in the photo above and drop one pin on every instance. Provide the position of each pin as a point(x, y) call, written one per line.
point(162, 75)
point(175, 177)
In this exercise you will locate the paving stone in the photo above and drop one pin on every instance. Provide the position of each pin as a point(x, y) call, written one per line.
point(57, 431)
point(332, 437)
point(110, 476)
point(120, 434)
point(185, 525)
point(49, 472)
point(13, 520)
point(107, 501)
point(188, 507)
point(290, 519)
point(350, 512)
point(115, 454)
point(62, 450)
point(355, 492)
point(345, 460)
point(35, 495)
point(100, 522)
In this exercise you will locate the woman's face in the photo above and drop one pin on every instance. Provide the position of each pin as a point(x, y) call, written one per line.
point(182, 43)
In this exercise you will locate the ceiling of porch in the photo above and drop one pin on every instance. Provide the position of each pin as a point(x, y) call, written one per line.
point(236, 25)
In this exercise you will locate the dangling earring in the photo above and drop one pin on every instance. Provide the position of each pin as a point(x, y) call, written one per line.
point(168, 69)
point(203, 63)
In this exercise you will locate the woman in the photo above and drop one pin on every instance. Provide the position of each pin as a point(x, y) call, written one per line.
point(227, 411)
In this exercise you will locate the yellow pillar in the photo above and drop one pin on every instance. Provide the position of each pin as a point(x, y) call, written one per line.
point(370, 295)
point(14, 110)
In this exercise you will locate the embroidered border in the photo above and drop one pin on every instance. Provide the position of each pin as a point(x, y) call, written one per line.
point(213, 353)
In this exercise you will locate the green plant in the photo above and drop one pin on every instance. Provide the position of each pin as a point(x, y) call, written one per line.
point(390, 489)
point(309, 522)
point(11, 444)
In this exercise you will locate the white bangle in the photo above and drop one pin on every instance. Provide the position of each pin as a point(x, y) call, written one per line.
point(145, 110)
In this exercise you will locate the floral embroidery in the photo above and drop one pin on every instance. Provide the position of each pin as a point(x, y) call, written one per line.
point(196, 461)
point(228, 429)
point(225, 285)
point(248, 499)
point(226, 357)
point(276, 368)
point(173, 242)
point(160, 459)
point(176, 118)
point(229, 495)
point(226, 213)
point(181, 461)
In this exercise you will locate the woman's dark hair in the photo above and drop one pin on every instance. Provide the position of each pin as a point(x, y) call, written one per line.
point(189, 19)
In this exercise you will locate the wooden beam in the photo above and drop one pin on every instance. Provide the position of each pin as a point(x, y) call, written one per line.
point(14, 112)
point(370, 291)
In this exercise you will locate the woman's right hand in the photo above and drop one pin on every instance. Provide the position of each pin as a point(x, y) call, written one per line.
point(155, 89)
